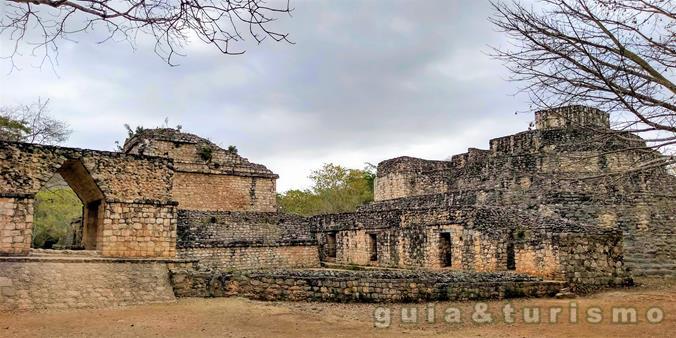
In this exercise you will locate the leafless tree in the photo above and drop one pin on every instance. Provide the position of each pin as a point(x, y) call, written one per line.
point(616, 55)
point(42, 24)
point(32, 123)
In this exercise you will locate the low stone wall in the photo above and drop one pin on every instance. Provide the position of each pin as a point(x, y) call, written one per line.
point(58, 283)
point(359, 286)
point(255, 256)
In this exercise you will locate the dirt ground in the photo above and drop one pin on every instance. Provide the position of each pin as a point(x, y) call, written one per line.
point(237, 317)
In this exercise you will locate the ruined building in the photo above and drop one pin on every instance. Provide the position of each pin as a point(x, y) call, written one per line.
point(544, 202)
point(173, 214)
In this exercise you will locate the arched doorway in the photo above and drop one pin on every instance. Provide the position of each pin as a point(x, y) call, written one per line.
point(76, 188)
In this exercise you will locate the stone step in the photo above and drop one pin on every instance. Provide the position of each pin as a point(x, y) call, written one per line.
point(63, 253)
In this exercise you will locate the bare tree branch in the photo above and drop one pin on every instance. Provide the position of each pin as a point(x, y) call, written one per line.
point(170, 23)
point(618, 56)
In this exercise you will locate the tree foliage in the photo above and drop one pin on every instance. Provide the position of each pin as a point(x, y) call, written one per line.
point(55, 210)
point(618, 56)
point(32, 123)
point(335, 189)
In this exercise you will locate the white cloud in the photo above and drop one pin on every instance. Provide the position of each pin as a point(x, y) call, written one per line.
point(364, 81)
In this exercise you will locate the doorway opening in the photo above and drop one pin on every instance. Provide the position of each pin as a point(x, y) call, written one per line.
point(57, 216)
point(68, 210)
point(373, 247)
point(331, 245)
point(445, 249)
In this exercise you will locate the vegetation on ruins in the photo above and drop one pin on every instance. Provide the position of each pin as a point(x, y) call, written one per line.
point(335, 189)
point(31, 123)
point(206, 153)
point(56, 210)
point(43, 24)
point(618, 56)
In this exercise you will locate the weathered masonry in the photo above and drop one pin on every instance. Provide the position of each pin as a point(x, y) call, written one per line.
point(227, 215)
point(207, 177)
point(173, 214)
point(553, 202)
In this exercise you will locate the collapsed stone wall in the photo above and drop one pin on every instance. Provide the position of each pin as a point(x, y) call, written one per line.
point(245, 240)
point(128, 207)
point(41, 283)
point(359, 286)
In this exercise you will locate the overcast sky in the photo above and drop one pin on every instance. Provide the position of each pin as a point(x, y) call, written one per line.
point(365, 81)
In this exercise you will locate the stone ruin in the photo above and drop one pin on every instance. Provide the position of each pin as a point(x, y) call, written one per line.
point(173, 214)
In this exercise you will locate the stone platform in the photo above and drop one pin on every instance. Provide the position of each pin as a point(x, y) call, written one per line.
point(360, 286)
point(54, 280)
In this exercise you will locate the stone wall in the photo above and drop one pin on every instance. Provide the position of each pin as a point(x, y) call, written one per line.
point(408, 176)
point(204, 229)
point(255, 256)
point(246, 240)
point(16, 221)
point(139, 230)
point(359, 286)
point(208, 178)
point(477, 239)
point(41, 283)
point(572, 116)
point(213, 192)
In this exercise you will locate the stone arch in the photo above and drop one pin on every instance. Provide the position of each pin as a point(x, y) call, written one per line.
point(80, 180)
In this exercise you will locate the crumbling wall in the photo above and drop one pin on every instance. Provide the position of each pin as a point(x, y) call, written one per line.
point(247, 256)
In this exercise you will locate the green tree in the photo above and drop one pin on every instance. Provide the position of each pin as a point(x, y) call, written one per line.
point(55, 210)
point(335, 189)
point(11, 130)
point(31, 123)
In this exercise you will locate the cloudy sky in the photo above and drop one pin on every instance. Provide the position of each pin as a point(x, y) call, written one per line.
point(365, 81)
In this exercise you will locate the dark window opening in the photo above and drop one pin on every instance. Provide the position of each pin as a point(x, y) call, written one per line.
point(511, 260)
point(373, 247)
point(445, 249)
point(331, 245)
